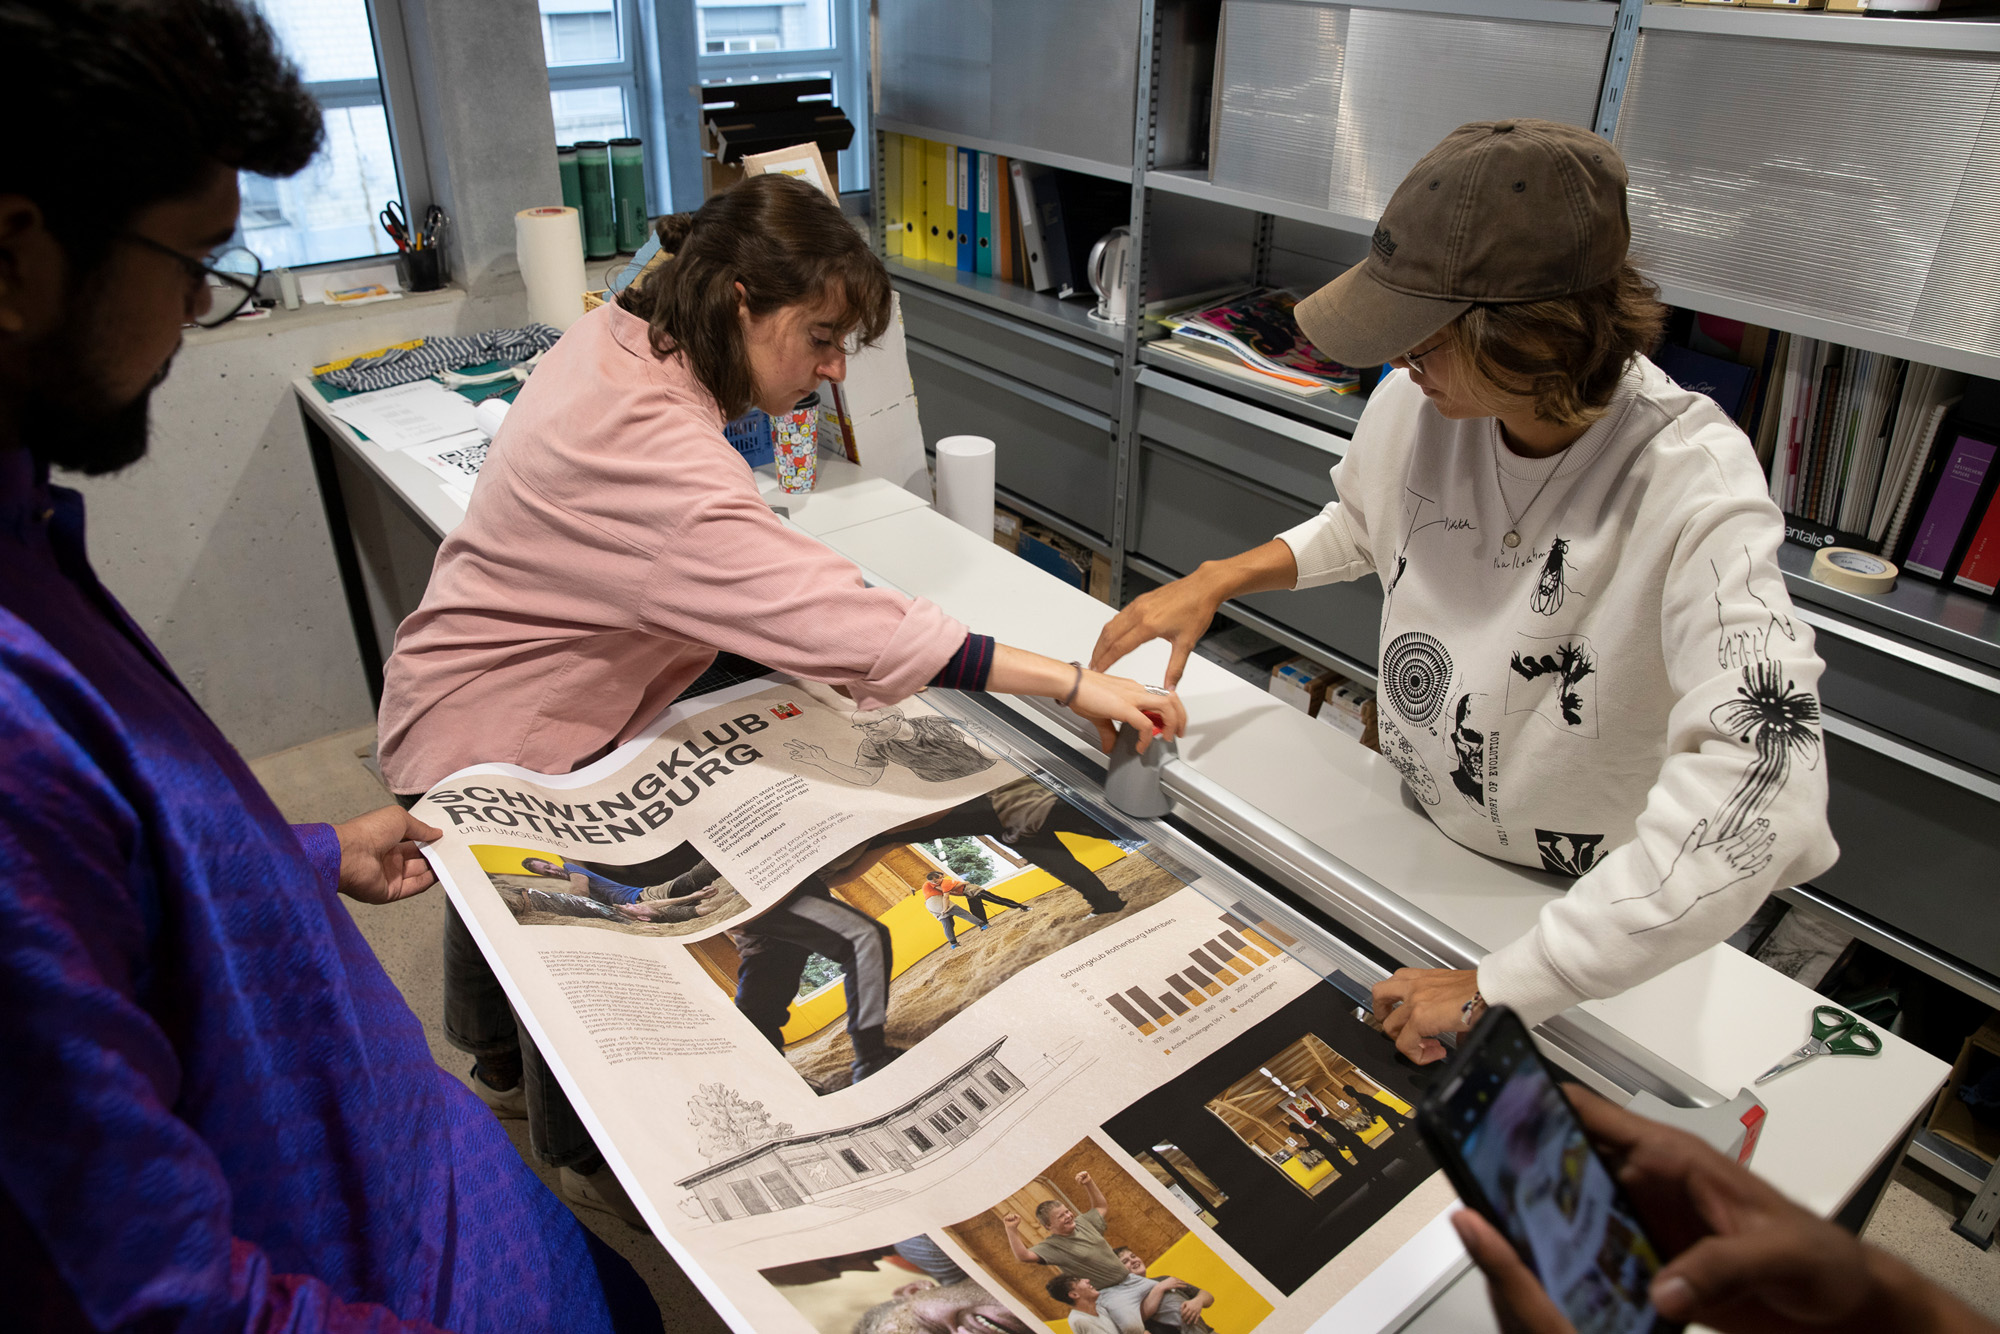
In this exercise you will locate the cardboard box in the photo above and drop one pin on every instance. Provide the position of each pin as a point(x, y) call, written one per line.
point(1951, 1119)
point(1006, 529)
point(1348, 707)
point(1295, 681)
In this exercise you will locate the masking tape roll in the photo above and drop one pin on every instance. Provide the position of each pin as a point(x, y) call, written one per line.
point(1853, 571)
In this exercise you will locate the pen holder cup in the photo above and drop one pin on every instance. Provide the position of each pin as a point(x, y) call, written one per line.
point(420, 270)
point(795, 441)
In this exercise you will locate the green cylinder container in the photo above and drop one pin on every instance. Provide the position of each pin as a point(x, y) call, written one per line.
point(628, 190)
point(572, 188)
point(600, 223)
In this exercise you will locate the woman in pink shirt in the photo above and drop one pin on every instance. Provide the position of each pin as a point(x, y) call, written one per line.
point(616, 541)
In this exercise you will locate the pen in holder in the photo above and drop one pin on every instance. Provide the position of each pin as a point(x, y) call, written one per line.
point(420, 270)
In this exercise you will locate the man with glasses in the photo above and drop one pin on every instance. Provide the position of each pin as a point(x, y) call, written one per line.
point(216, 1112)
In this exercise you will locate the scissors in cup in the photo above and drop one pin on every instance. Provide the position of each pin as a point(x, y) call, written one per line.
point(1834, 1032)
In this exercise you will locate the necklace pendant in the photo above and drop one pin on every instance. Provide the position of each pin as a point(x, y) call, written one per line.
point(1511, 540)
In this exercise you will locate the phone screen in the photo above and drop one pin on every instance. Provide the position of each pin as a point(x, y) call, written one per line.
point(1515, 1134)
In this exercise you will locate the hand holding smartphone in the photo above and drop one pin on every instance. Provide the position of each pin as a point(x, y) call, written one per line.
point(1499, 1124)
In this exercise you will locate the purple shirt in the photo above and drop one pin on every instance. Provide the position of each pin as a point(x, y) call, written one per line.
point(216, 1112)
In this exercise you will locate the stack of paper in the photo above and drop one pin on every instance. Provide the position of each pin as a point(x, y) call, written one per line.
point(407, 415)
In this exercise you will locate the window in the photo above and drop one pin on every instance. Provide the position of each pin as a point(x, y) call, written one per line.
point(972, 1096)
point(593, 76)
point(328, 211)
point(918, 1138)
point(855, 1161)
point(753, 41)
point(998, 1081)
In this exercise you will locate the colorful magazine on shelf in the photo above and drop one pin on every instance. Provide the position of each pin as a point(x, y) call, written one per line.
point(1257, 328)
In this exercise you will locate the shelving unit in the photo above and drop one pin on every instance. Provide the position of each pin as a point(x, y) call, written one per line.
point(1193, 463)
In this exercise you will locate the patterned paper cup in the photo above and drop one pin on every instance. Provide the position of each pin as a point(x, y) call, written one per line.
point(796, 444)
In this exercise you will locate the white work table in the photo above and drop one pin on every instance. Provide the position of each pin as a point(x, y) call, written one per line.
point(1722, 1017)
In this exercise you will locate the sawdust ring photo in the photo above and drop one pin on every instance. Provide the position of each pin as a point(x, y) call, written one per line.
point(677, 894)
point(882, 945)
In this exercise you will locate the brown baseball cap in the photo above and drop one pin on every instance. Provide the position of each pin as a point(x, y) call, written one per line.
point(1501, 211)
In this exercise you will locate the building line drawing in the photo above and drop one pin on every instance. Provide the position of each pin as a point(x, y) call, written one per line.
point(861, 1166)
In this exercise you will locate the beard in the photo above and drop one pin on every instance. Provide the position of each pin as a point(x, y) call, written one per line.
point(65, 420)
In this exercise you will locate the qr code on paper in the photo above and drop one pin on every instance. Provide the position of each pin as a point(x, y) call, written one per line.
point(465, 460)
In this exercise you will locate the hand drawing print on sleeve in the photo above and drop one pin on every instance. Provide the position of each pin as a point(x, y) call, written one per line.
point(1706, 866)
point(1568, 697)
point(1749, 638)
point(1777, 718)
point(1469, 776)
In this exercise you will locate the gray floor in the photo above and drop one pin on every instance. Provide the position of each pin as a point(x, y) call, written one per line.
point(330, 780)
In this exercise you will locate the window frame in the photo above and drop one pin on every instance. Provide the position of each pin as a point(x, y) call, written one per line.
point(847, 61)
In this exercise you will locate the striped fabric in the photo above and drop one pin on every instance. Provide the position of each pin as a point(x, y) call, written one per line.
point(447, 352)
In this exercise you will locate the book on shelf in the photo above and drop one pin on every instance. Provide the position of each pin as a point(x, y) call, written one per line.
point(1025, 175)
point(965, 189)
point(982, 235)
point(1225, 363)
point(1255, 328)
point(1958, 485)
point(1847, 438)
point(1980, 570)
point(940, 204)
point(1006, 236)
point(892, 194)
point(1727, 382)
point(915, 229)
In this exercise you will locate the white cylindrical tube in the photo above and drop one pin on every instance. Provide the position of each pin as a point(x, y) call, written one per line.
point(965, 482)
point(549, 243)
point(489, 414)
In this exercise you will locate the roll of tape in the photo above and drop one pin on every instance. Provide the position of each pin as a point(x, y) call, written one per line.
point(1853, 571)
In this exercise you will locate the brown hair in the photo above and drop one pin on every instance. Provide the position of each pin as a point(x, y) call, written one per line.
point(1567, 353)
point(787, 244)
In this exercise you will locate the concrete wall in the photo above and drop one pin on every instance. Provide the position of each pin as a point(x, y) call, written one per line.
point(217, 542)
point(489, 132)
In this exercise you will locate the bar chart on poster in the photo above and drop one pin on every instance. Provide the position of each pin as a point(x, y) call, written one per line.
point(1216, 972)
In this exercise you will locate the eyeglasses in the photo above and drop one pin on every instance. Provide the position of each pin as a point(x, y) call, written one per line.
point(1415, 360)
point(235, 269)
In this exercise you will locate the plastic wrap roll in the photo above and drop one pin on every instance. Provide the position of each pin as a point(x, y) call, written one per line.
point(549, 242)
point(489, 414)
point(965, 482)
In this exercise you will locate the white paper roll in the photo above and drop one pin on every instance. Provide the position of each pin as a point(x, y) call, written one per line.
point(489, 414)
point(549, 244)
point(965, 482)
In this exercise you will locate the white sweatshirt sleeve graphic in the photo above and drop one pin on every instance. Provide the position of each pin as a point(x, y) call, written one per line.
point(1739, 807)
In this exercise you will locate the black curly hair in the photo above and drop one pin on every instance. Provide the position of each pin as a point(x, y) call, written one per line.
point(136, 102)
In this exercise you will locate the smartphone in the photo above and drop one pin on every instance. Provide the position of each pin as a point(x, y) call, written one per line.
point(1497, 1121)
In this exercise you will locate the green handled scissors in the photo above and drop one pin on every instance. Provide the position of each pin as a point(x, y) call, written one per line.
point(1834, 1032)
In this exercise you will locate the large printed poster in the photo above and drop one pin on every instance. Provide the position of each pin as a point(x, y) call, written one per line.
point(886, 1034)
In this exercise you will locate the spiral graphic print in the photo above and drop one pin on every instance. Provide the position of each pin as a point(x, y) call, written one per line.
point(1416, 673)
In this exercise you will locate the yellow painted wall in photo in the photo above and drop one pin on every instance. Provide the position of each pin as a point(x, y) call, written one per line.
point(1238, 1309)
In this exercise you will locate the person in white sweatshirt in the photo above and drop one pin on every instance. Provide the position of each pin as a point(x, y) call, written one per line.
point(1589, 663)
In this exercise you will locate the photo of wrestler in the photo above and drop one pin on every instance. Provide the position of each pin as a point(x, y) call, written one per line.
point(675, 895)
point(934, 749)
point(899, 934)
point(1085, 1242)
point(912, 1287)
